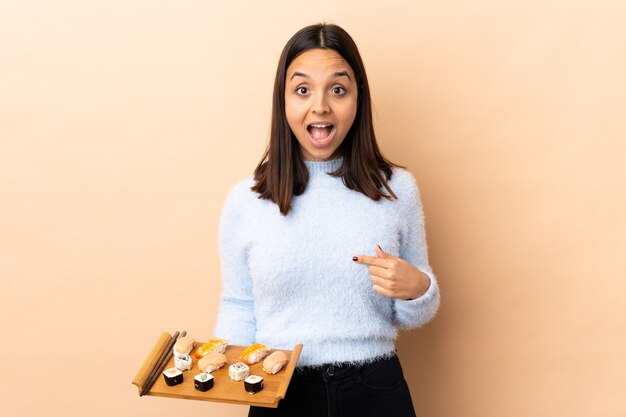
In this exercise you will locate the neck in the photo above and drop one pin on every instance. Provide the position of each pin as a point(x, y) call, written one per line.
point(324, 166)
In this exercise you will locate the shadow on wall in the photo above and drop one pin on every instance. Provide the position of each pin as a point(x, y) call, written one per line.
point(422, 355)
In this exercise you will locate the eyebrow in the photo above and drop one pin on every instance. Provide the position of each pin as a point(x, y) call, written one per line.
point(335, 75)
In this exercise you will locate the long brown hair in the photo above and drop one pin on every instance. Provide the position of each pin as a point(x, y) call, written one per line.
point(281, 174)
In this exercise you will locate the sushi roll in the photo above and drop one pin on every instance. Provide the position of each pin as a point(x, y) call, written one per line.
point(238, 371)
point(275, 362)
point(254, 353)
point(253, 384)
point(182, 362)
point(212, 362)
point(173, 376)
point(184, 345)
point(203, 382)
point(213, 345)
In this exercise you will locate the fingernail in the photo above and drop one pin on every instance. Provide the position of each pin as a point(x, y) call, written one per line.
point(355, 258)
point(379, 248)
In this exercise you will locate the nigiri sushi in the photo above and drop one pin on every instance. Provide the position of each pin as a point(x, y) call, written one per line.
point(254, 353)
point(213, 345)
point(212, 362)
point(184, 345)
point(275, 362)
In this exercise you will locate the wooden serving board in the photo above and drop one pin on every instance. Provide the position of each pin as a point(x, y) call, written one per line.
point(225, 390)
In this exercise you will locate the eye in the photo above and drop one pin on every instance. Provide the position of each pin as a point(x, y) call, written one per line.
point(302, 91)
point(338, 91)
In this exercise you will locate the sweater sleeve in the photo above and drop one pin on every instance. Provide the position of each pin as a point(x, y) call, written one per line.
point(413, 249)
point(235, 319)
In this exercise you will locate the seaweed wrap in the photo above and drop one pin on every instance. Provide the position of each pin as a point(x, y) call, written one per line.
point(203, 382)
point(173, 376)
point(253, 384)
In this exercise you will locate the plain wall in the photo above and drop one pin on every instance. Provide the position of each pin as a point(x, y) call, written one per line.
point(123, 124)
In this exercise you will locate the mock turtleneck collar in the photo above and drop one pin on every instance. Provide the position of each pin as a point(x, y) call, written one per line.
point(323, 167)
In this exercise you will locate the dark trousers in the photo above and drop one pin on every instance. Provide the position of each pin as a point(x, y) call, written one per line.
point(376, 389)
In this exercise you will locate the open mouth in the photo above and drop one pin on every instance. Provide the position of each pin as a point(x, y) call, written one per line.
point(321, 134)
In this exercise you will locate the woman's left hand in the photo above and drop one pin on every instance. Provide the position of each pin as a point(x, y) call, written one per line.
point(394, 277)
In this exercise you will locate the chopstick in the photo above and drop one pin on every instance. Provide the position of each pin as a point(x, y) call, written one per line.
point(165, 357)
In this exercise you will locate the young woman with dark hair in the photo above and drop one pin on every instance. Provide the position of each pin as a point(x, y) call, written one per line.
point(301, 241)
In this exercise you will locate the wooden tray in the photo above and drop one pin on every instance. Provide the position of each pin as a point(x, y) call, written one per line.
point(225, 390)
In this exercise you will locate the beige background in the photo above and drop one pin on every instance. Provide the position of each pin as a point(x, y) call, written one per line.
point(123, 124)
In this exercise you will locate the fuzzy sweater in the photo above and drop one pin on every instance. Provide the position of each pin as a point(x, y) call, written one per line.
point(291, 279)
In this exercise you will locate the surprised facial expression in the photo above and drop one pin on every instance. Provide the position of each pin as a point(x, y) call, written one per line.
point(320, 102)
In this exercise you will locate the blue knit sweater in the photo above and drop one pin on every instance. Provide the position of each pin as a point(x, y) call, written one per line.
point(291, 279)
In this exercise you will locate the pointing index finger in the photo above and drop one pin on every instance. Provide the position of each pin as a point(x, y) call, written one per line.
point(369, 260)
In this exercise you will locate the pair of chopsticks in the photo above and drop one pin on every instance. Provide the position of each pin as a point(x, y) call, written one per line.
point(165, 357)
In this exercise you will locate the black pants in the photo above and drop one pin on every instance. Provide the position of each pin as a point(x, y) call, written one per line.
point(377, 389)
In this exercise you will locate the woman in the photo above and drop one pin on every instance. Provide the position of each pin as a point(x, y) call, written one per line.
point(301, 241)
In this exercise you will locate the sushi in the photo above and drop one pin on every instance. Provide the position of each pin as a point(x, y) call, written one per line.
point(275, 362)
point(173, 376)
point(182, 362)
point(203, 382)
point(213, 345)
point(212, 362)
point(184, 345)
point(238, 371)
point(253, 384)
point(254, 353)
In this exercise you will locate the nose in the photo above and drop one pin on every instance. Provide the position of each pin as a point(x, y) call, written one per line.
point(320, 104)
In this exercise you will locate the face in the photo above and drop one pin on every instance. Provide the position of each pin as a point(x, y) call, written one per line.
point(320, 102)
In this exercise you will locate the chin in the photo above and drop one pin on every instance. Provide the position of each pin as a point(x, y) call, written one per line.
point(323, 156)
